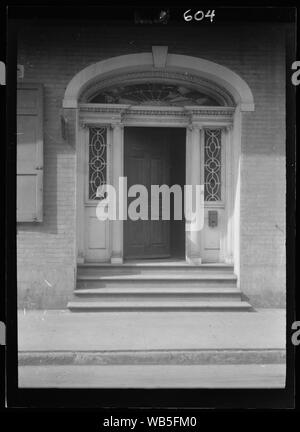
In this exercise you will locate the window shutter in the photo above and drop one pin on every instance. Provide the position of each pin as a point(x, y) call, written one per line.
point(29, 153)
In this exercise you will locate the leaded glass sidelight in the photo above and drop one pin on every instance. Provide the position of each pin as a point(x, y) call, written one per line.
point(97, 161)
point(212, 164)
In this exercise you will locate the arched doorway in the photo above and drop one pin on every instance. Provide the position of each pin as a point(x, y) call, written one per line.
point(202, 97)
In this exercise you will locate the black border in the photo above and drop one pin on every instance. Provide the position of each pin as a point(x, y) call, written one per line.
point(84, 399)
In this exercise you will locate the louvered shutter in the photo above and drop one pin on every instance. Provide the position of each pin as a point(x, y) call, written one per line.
point(29, 153)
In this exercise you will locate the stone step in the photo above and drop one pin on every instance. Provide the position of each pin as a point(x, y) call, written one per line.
point(156, 281)
point(154, 276)
point(167, 305)
point(158, 294)
point(157, 290)
point(156, 286)
point(170, 268)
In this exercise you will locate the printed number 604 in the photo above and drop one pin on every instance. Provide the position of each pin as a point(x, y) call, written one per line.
point(199, 15)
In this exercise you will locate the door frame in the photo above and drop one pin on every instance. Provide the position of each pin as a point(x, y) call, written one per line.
point(194, 120)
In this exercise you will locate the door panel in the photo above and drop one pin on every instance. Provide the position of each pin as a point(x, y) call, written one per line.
point(212, 239)
point(147, 154)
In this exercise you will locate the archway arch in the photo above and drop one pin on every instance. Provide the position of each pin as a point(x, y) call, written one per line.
point(204, 69)
point(203, 74)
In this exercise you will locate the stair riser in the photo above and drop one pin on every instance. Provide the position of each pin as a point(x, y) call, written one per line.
point(94, 271)
point(158, 308)
point(158, 297)
point(152, 288)
point(157, 284)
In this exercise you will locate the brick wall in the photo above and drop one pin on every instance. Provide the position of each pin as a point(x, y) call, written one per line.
point(53, 54)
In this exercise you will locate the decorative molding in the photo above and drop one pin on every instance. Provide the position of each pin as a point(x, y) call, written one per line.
point(100, 108)
point(117, 125)
point(105, 115)
point(83, 124)
point(220, 76)
point(192, 126)
point(187, 112)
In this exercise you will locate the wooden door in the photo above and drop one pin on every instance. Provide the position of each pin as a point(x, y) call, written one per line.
point(147, 162)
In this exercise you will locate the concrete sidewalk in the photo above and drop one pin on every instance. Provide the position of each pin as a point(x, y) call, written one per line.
point(61, 330)
point(152, 350)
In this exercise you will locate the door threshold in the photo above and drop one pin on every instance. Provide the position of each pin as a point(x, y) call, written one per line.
point(155, 261)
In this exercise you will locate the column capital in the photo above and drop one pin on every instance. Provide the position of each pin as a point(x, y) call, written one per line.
point(194, 126)
point(117, 125)
point(83, 125)
point(229, 127)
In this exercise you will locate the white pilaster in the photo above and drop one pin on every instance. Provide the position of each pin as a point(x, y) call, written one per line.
point(117, 171)
point(193, 177)
point(229, 206)
point(236, 143)
point(82, 135)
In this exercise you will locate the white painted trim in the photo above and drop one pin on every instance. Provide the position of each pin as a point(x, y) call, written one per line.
point(100, 69)
point(236, 191)
point(117, 172)
point(193, 176)
point(221, 75)
point(228, 79)
point(229, 202)
point(80, 164)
